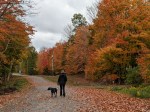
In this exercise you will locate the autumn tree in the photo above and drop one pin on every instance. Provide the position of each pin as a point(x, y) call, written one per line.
point(50, 60)
point(122, 24)
point(58, 57)
point(14, 36)
point(14, 7)
point(43, 61)
point(76, 56)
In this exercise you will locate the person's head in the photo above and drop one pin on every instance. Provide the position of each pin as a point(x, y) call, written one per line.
point(62, 71)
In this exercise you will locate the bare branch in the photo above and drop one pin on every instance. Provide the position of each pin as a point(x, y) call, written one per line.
point(68, 31)
point(15, 7)
point(4, 10)
point(92, 11)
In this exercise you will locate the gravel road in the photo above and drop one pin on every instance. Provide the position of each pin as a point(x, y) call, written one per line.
point(78, 99)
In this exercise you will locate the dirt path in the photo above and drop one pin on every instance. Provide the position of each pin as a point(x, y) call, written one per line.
point(77, 99)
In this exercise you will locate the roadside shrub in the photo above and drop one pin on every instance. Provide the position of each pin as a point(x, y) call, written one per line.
point(144, 92)
point(147, 89)
point(138, 92)
point(133, 91)
point(18, 84)
point(116, 88)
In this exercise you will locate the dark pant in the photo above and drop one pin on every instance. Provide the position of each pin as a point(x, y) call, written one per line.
point(62, 89)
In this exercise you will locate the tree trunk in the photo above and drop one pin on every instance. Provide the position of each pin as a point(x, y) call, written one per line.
point(10, 71)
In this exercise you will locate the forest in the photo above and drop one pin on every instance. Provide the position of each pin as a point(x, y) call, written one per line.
point(114, 48)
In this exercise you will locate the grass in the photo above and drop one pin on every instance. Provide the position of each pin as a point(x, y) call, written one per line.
point(17, 83)
point(140, 92)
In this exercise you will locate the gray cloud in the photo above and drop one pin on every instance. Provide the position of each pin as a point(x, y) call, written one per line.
point(53, 16)
point(42, 39)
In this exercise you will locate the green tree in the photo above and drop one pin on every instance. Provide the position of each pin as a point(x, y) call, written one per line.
point(78, 20)
point(31, 61)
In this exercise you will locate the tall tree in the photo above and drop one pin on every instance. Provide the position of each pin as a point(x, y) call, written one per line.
point(78, 20)
point(43, 61)
point(58, 57)
point(76, 56)
point(30, 61)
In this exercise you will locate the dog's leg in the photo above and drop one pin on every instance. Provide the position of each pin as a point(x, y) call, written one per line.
point(56, 93)
point(51, 94)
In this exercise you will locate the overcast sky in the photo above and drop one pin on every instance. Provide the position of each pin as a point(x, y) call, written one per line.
point(52, 17)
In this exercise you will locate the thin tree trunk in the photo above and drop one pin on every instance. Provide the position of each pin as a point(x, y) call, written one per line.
point(10, 71)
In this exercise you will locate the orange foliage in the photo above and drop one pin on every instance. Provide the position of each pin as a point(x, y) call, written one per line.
point(46, 56)
point(121, 26)
point(58, 56)
point(120, 19)
point(43, 60)
point(76, 56)
point(14, 35)
point(106, 61)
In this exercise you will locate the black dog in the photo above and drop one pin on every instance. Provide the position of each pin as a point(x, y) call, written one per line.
point(53, 91)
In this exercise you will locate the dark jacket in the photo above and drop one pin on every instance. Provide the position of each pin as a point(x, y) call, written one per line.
point(62, 78)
